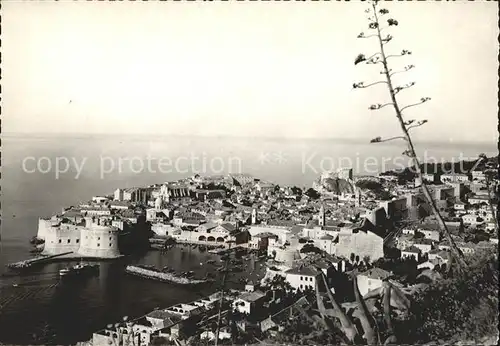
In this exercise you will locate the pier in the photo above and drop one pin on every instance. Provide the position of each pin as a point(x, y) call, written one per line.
point(33, 261)
point(164, 277)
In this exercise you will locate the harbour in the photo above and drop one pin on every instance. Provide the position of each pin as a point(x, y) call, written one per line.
point(78, 307)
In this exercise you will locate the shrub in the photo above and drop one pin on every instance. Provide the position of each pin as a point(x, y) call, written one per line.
point(460, 307)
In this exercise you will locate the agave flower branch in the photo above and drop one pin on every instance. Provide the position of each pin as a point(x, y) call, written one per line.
point(380, 139)
point(422, 100)
point(361, 85)
point(374, 24)
point(403, 53)
point(379, 106)
point(420, 123)
point(398, 89)
point(406, 69)
point(362, 35)
point(387, 39)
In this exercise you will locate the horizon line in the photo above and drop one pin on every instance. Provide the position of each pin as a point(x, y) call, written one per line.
point(156, 135)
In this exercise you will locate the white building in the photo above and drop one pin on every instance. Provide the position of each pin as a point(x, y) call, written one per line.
point(432, 263)
point(453, 178)
point(327, 244)
point(96, 211)
point(408, 231)
point(411, 252)
point(371, 280)
point(303, 277)
point(424, 245)
point(478, 175)
point(472, 219)
point(466, 248)
point(478, 200)
point(430, 234)
point(249, 302)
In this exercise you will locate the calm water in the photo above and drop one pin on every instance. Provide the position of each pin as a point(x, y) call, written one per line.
point(67, 312)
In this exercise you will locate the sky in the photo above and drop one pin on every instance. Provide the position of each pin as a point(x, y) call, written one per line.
point(270, 69)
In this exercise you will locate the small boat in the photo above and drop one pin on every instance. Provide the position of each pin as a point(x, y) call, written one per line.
point(15, 285)
point(79, 269)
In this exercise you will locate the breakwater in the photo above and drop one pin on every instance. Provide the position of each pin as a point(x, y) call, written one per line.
point(37, 260)
point(164, 277)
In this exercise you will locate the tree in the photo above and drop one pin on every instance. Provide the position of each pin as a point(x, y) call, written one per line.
point(382, 58)
point(366, 259)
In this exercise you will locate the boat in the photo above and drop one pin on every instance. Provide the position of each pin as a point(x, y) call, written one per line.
point(154, 274)
point(79, 269)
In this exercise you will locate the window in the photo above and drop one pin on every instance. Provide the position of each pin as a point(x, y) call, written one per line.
point(301, 286)
point(60, 241)
point(69, 241)
point(301, 278)
point(109, 244)
point(77, 241)
point(98, 244)
point(98, 238)
point(109, 238)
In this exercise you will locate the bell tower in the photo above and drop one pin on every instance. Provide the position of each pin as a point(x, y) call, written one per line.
point(254, 216)
point(321, 216)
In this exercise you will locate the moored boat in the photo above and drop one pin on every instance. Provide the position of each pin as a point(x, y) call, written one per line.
point(79, 269)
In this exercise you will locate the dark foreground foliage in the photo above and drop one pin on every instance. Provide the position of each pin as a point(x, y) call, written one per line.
point(459, 307)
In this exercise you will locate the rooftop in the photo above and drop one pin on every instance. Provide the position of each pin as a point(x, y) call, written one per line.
point(412, 249)
point(252, 296)
point(376, 273)
point(303, 270)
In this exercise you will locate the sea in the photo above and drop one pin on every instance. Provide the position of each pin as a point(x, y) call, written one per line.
point(43, 173)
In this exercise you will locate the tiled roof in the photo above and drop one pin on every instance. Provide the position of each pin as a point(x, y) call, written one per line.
point(376, 273)
point(412, 249)
point(252, 296)
point(303, 270)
